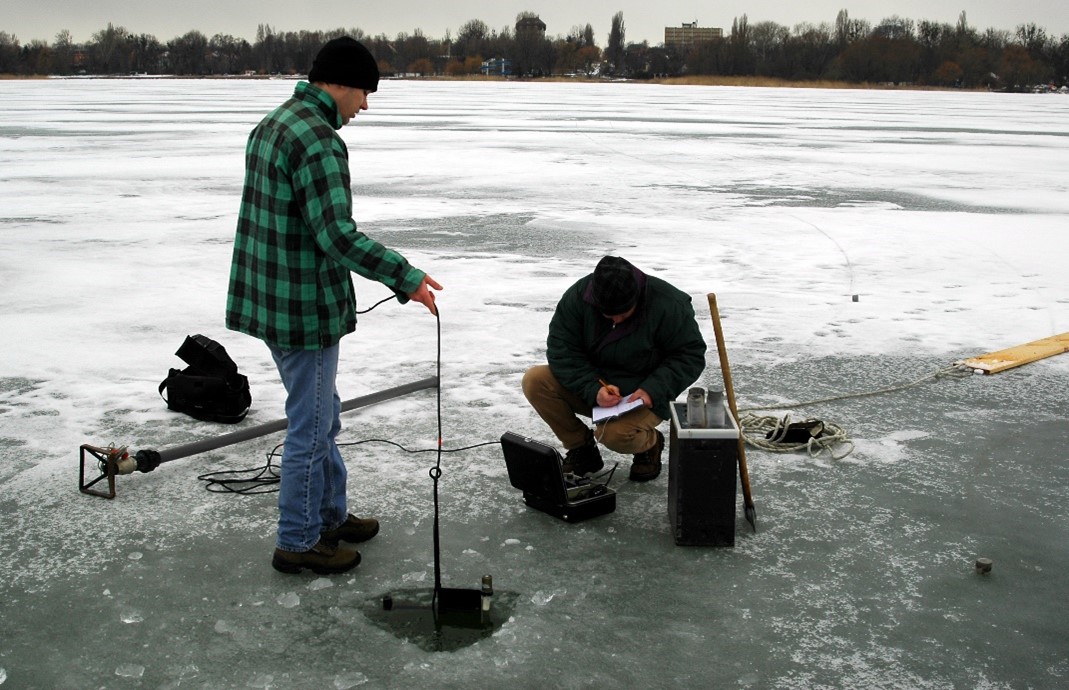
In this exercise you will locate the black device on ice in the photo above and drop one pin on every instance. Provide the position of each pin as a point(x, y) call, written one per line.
point(535, 469)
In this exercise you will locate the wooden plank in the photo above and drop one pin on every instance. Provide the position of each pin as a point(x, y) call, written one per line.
point(994, 362)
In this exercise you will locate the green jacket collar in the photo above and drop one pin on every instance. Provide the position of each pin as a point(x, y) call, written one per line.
point(318, 98)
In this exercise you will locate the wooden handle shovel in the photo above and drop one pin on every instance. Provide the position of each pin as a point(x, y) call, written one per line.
point(744, 474)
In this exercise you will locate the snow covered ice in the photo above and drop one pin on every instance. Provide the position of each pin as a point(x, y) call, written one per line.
point(946, 214)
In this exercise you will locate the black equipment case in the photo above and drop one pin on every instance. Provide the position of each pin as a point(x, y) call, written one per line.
point(702, 477)
point(535, 469)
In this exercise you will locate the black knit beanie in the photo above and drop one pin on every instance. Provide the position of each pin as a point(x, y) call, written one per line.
point(346, 62)
point(615, 288)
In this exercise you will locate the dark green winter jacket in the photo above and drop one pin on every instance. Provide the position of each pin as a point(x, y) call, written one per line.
point(659, 348)
point(296, 242)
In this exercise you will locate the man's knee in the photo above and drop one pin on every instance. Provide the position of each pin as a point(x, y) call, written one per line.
point(630, 436)
point(623, 441)
point(536, 378)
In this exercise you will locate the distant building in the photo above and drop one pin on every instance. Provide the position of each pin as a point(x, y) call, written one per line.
point(690, 34)
point(530, 24)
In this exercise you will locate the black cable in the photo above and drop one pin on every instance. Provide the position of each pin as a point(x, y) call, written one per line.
point(260, 484)
point(436, 471)
point(610, 473)
point(256, 484)
point(217, 484)
point(419, 450)
point(381, 301)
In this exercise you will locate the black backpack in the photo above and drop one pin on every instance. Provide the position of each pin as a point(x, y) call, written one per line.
point(210, 388)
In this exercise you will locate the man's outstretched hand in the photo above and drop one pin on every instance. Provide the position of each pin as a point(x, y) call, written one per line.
point(423, 294)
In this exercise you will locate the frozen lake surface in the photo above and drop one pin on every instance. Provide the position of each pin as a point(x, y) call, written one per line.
point(946, 214)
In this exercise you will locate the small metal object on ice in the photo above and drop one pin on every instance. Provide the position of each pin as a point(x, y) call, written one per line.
point(983, 566)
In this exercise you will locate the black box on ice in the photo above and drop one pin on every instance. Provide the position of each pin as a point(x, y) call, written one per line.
point(535, 469)
point(702, 476)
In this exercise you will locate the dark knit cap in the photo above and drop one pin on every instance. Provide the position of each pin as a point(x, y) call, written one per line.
point(346, 62)
point(615, 288)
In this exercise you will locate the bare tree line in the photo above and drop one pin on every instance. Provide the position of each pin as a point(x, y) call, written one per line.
point(895, 50)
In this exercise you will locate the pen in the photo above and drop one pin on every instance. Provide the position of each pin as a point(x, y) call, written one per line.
point(603, 382)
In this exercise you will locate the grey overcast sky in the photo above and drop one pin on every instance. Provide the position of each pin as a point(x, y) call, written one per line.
point(28, 20)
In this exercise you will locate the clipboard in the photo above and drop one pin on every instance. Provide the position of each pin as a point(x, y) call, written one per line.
point(605, 414)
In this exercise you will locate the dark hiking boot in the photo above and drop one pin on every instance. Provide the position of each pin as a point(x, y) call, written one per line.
point(354, 530)
point(647, 464)
point(323, 559)
point(584, 459)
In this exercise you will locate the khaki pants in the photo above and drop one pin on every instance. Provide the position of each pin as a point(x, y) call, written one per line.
point(558, 407)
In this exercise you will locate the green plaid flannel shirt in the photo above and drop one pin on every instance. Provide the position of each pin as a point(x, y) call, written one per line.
point(296, 242)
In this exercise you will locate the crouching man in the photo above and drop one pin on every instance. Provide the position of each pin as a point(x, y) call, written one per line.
point(617, 334)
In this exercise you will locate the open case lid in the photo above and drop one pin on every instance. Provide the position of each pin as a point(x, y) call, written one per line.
point(534, 467)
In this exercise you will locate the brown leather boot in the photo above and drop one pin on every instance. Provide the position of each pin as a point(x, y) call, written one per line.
point(354, 530)
point(583, 460)
point(323, 559)
point(647, 464)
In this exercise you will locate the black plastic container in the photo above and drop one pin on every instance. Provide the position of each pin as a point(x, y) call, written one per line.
point(702, 481)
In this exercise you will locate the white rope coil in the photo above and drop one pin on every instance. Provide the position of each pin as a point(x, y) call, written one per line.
point(767, 433)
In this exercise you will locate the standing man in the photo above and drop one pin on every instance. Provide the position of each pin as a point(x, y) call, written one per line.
point(290, 286)
point(617, 334)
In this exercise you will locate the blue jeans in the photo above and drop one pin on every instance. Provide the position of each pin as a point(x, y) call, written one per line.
point(312, 488)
